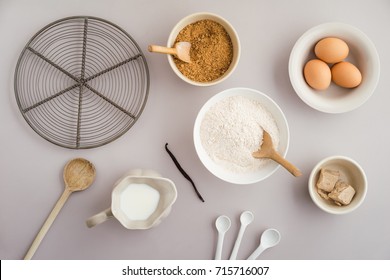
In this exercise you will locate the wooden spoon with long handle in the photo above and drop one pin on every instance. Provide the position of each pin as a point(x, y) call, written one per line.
point(181, 50)
point(78, 175)
point(267, 151)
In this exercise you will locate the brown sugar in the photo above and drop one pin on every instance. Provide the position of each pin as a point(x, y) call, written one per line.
point(211, 51)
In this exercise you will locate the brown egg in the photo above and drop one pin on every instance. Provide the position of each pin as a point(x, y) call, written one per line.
point(317, 74)
point(331, 50)
point(346, 75)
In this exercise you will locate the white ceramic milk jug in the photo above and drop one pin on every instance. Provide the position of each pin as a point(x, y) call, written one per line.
point(139, 200)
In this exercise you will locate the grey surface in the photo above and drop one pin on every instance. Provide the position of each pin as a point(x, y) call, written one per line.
point(31, 168)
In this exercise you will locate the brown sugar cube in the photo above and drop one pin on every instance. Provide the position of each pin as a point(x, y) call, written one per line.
point(342, 193)
point(328, 179)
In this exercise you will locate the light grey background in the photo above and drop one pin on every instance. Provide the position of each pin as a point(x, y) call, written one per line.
point(31, 168)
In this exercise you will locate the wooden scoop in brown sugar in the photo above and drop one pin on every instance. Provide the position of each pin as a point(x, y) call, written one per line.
point(267, 151)
point(181, 50)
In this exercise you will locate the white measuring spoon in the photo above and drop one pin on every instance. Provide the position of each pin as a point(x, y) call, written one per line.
point(269, 238)
point(246, 218)
point(222, 224)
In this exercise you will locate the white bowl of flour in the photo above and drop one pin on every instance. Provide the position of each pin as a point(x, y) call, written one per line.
point(229, 127)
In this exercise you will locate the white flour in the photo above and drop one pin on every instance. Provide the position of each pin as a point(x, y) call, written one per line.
point(232, 130)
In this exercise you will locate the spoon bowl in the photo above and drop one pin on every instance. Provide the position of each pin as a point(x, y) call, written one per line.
point(246, 218)
point(78, 175)
point(267, 150)
point(222, 224)
point(269, 238)
point(181, 50)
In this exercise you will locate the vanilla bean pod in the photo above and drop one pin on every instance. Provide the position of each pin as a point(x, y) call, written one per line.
point(183, 172)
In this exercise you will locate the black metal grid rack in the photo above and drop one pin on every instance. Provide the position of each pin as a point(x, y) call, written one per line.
point(81, 82)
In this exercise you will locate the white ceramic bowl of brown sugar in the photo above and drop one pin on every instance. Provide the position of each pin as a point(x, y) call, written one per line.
point(350, 172)
point(215, 49)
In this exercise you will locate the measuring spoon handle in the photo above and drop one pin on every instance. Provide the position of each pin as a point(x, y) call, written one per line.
point(218, 251)
point(256, 253)
point(46, 226)
point(237, 244)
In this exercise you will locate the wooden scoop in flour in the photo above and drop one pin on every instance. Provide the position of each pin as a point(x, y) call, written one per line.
point(181, 50)
point(267, 151)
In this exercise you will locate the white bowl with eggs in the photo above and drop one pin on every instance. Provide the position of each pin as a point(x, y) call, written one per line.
point(362, 54)
point(215, 167)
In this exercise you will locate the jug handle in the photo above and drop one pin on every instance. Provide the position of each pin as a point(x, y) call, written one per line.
point(99, 218)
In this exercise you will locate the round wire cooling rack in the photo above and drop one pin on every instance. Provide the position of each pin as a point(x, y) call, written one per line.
point(81, 82)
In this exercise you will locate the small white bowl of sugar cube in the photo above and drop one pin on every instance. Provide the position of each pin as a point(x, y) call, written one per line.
point(337, 185)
